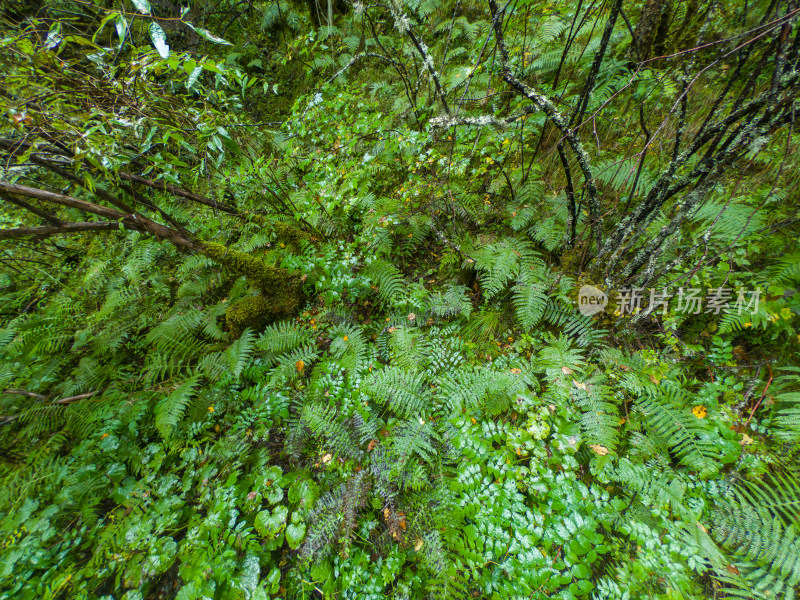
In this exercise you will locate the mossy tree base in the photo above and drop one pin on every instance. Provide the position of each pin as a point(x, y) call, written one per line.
point(253, 312)
point(280, 291)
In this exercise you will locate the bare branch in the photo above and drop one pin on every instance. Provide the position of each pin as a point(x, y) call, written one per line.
point(403, 25)
point(65, 228)
point(25, 393)
point(131, 221)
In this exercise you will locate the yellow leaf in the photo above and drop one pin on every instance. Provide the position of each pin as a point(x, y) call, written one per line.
point(598, 449)
point(567, 371)
point(300, 365)
point(327, 458)
point(420, 543)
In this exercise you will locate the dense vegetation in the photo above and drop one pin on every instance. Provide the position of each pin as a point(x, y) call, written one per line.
point(289, 299)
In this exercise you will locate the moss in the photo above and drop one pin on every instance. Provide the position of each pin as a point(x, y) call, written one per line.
point(262, 276)
point(290, 235)
point(281, 290)
point(253, 312)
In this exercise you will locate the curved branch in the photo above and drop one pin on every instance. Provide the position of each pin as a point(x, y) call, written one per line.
point(66, 228)
point(549, 108)
point(131, 221)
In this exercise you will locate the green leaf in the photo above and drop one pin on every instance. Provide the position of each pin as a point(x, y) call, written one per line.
point(53, 36)
point(103, 23)
point(205, 33)
point(274, 580)
point(193, 77)
point(270, 524)
point(295, 534)
point(143, 6)
point(580, 571)
point(159, 39)
point(122, 27)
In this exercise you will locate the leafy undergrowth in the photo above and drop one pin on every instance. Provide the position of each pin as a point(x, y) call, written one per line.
point(395, 448)
point(290, 310)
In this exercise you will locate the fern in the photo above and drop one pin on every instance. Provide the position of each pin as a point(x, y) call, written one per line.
point(407, 348)
point(453, 302)
point(787, 271)
point(169, 411)
point(283, 337)
point(502, 261)
point(599, 414)
point(334, 517)
point(339, 438)
point(403, 391)
point(658, 486)
point(238, 353)
point(349, 347)
point(769, 551)
point(479, 390)
point(669, 416)
point(560, 358)
point(387, 278)
point(787, 414)
point(529, 304)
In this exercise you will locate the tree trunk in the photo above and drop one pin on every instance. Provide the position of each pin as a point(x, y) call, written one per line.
point(653, 28)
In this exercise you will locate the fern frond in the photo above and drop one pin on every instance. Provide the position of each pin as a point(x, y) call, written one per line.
point(171, 409)
point(529, 304)
point(599, 414)
point(325, 422)
point(401, 390)
point(453, 302)
point(283, 337)
point(502, 261)
point(769, 549)
point(669, 416)
point(238, 353)
point(335, 513)
point(656, 486)
point(387, 278)
point(481, 390)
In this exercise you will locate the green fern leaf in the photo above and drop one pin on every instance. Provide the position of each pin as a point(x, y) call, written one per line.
point(171, 409)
